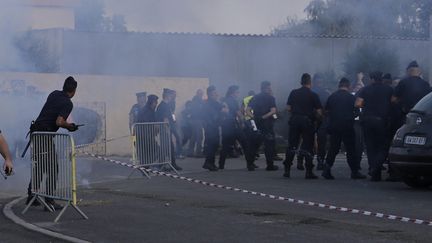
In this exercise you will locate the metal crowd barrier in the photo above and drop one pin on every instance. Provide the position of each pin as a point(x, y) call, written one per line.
point(53, 170)
point(152, 146)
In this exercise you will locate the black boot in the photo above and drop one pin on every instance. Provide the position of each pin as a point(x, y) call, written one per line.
point(287, 170)
point(210, 167)
point(35, 202)
point(327, 173)
point(310, 175)
point(357, 175)
point(221, 165)
point(320, 164)
point(300, 165)
point(271, 167)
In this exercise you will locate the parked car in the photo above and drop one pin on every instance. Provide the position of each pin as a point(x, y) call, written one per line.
point(411, 151)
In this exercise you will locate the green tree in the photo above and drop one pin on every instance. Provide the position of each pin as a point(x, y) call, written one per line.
point(370, 56)
point(365, 17)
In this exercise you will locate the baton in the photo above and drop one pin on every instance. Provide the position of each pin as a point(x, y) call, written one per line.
point(26, 148)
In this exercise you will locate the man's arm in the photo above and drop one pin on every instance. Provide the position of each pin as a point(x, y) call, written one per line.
point(61, 122)
point(269, 114)
point(4, 151)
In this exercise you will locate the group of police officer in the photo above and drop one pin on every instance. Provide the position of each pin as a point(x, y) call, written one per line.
point(356, 116)
point(317, 119)
point(148, 109)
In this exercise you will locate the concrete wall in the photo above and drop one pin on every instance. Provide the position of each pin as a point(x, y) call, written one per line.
point(224, 59)
point(118, 92)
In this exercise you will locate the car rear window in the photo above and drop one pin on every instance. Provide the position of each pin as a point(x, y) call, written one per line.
point(425, 104)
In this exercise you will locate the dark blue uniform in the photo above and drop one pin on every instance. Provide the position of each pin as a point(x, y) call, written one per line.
point(58, 104)
point(410, 91)
point(195, 144)
point(212, 114)
point(341, 114)
point(321, 132)
point(374, 119)
point(231, 132)
point(262, 104)
point(303, 103)
point(164, 112)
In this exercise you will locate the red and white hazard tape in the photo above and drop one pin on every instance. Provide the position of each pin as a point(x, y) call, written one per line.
point(260, 194)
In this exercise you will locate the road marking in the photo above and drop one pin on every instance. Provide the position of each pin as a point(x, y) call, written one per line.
point(8, 212)
point(280, 198)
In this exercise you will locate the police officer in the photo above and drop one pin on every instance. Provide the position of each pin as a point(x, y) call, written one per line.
point(305, 108)
point(264, 110)
point(249, 128)
point(4, 151)
point(232, 130)
point(412, 89)
point(164, 113)
point(133, 114)
point(341, 113)
point(148, 112)
point(53, 116)
point(148, 142)
point(174, 128)
point(195, 145)
point(321, 132)
point(375, 101)
point(213, 111)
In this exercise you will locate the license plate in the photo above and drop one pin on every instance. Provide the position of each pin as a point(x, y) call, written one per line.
point(415, 140)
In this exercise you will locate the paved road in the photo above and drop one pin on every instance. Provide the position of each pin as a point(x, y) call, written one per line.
point(167, 210)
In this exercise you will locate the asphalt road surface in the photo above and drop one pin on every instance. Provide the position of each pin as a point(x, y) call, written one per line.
point(163, 209)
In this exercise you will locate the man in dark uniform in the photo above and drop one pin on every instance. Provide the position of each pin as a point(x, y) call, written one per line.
point(174, 128)
point(264, 110)
point(148, 112)
point(195, 145)
point(145, 145)
point(52, 117)
point(305, 108)
point(375, 101)
point(412, 89)
point(164, 113)
point(232, 130)
point(341, 113)
point(212, 114)
point(321, 132)
point(133, 114)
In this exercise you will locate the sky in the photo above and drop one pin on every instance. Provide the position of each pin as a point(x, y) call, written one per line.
point(211, 16)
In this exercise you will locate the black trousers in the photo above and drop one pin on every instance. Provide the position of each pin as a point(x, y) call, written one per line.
point(267, 136)
point(211, 144)
point(359, 141)
point(230, 134)
point(178, 142)
point(195, 144)
point(375, 134)
point(322, 138)
point(347, 137)
point(300, 127)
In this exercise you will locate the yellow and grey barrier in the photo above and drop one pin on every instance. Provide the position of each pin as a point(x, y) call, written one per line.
point(151, 145)
point(53, 170)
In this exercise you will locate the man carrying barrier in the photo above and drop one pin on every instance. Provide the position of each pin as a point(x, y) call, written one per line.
point(52, 153)
point(152, 139)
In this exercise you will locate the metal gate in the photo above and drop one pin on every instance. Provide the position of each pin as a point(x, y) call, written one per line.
point(152, 145)
point(53, 170)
